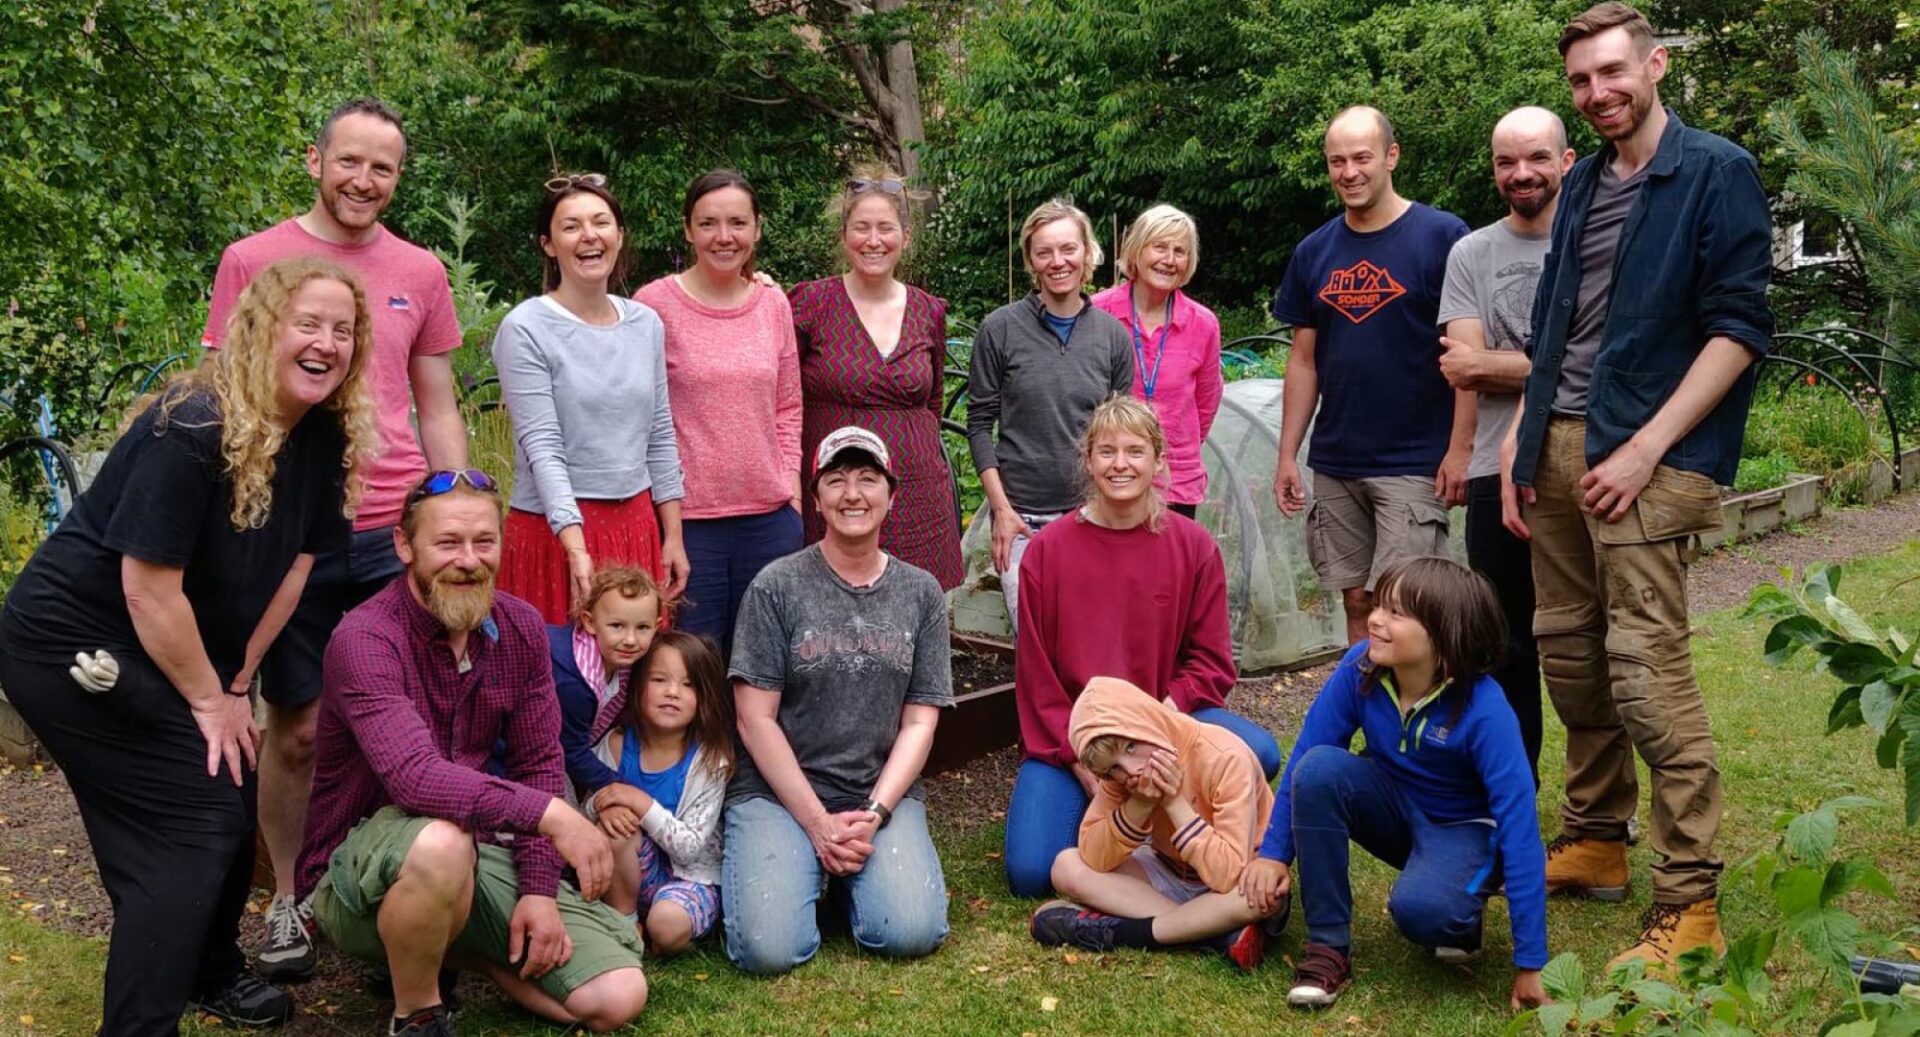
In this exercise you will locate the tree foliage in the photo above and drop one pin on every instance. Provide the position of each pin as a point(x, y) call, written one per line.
point(139, 136)
point(1219, 106)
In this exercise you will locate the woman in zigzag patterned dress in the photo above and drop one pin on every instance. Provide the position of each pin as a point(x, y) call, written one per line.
point(871, 354)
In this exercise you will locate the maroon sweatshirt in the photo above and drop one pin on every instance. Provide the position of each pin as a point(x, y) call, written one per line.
point(1149, 608)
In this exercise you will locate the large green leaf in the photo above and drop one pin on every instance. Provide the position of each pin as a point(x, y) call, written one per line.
point(1791, 634)
point(1878, 700)
point(1849, 620)
point(1810, 836)
point(1858, 663)
point(1828, 934)
point(1564, 978)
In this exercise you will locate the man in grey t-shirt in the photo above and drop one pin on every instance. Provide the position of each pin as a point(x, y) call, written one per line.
point(840, 669)
point(1487, 310)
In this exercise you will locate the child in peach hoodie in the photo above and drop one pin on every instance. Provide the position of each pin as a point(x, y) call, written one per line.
point(1162, 847)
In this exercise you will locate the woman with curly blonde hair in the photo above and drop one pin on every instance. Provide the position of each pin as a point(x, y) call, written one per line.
point(130, 640)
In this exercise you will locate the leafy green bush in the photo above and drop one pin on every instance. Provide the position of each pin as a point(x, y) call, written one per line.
point(1762, 473)
point(1817, 430)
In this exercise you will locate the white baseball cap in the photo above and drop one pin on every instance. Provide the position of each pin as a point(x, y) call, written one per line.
point(852, 437)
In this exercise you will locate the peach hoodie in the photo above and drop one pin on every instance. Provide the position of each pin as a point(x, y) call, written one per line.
point(1219, 776)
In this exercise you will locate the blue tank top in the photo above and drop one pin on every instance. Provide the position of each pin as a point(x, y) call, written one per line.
point(664, 786)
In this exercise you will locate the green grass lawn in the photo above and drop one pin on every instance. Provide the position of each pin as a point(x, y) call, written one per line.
point(991, 979)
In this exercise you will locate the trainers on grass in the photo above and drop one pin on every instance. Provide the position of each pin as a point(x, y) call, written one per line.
point(288, 950)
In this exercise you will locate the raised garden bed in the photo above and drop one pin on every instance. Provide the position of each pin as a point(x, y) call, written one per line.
point(1748, 515)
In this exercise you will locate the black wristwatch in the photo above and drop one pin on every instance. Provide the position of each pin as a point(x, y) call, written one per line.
point(879, 809)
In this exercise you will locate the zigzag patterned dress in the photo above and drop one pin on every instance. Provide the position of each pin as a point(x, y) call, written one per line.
point(846, 381)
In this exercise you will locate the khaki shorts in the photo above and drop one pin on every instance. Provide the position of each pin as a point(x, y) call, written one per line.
point(347, 904)
point(1358, 528)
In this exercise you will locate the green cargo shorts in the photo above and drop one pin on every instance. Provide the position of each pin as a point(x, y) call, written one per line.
point(347, 905)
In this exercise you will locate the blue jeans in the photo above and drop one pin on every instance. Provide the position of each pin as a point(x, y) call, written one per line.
point(771, 882)
point(1044, 816)
point(1436, 901)
point(724, 555)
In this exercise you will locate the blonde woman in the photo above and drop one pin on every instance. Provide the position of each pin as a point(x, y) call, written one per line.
point(1122, 588)
point(169, 579)
point(1040, 366)
point(1176, 343)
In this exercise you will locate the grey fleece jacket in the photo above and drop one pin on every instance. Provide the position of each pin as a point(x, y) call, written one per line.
point(1041, 394)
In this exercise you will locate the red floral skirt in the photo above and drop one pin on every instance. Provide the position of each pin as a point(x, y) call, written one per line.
point(533, 562)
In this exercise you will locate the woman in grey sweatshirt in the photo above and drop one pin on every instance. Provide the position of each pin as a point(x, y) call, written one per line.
point(1040, 366)
point(583, 374)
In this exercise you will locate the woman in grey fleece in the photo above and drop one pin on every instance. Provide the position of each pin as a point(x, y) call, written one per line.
point(1040, 366)
point(583, 374)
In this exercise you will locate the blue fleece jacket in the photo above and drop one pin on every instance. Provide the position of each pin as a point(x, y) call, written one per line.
point(1464, 770)
point(578, 705)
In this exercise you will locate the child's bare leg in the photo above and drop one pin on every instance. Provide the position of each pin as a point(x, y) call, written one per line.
point(1205, 916)
point(1123, 891)
point(669, 929)
point(623, 893)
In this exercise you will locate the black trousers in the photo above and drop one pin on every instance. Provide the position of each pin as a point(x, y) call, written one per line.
point(1507, 562)
point(174, 847)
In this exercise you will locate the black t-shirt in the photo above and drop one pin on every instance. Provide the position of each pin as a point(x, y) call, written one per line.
point(163, 496)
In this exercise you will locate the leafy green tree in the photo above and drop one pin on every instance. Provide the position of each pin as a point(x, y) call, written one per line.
point(139, 137)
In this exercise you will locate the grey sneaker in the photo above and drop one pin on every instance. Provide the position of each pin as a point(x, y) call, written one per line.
point(287, 953)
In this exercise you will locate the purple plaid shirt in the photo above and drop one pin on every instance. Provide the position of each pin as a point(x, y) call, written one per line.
point(401, 724)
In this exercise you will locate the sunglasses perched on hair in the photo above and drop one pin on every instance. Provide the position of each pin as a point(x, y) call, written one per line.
point(861, 185)
point(566, 180)
point(443, 481)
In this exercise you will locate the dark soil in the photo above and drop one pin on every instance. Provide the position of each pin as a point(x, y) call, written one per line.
point(47, 871)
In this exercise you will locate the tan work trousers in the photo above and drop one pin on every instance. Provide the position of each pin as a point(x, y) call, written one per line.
point(1611, 619)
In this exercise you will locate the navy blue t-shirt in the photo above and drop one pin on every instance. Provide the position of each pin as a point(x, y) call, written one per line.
point(1374, 301)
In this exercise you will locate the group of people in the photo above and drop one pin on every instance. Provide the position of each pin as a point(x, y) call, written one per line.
point(1577, 374)
point(684, 677)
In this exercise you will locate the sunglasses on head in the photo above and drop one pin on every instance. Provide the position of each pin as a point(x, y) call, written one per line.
point(443, 481)
point(566, 180)
point(861, 185)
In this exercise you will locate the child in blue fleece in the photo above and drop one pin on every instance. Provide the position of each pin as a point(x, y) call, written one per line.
point(1442, 790)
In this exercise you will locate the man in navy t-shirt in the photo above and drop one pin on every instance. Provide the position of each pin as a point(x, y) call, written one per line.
point(1392, 440)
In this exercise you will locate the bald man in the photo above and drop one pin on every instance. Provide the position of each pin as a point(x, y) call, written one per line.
point(1392, 440)
point(1487, 307)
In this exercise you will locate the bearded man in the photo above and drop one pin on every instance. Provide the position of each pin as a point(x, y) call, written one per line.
point(401, 857)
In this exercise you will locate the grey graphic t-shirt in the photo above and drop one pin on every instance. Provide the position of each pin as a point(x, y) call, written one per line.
point(1491, 276)
point(846, 661)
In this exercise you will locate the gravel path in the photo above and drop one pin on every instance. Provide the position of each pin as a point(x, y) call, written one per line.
point(47, 871)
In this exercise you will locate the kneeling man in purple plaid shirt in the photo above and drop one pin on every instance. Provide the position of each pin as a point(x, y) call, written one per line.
point(416, 859)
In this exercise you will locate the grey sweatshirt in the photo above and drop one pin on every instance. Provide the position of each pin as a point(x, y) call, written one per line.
point(589, 408)
point(1041, 394)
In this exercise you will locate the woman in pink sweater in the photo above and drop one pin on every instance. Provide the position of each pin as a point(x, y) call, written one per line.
point(733, 374)
point(1176, 343)
point(1122, 588)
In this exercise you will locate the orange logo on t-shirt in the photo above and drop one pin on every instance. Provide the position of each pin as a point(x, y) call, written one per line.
point(1361, 290)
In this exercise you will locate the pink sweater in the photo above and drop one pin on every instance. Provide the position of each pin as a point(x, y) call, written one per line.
point(1187, 386)
point(733, 379)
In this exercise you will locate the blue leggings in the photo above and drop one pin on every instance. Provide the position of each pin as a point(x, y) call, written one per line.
point(1436, 901)
point(1044, 817)
point(725, 555)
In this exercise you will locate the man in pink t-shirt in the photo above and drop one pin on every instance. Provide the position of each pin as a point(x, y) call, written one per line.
point(356, 162)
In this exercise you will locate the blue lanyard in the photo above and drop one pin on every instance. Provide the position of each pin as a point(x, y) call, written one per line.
point(1149, 380)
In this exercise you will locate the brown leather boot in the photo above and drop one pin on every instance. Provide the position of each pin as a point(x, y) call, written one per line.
point(1594, 868)
point(1670, 930)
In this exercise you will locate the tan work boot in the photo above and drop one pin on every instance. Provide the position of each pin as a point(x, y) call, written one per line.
point(1594, 868)
point(1670, 930)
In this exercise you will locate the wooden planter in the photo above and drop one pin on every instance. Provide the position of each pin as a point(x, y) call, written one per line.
point(1749, 515)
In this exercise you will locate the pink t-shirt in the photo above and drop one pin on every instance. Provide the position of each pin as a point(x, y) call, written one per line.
point(734, 378)
point(1187, 384)
point(413, 316)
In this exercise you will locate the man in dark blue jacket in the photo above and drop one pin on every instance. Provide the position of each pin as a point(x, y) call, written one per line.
point(1650, 313)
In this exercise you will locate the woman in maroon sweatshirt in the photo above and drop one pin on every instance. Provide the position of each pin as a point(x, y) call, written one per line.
point(1123, 588)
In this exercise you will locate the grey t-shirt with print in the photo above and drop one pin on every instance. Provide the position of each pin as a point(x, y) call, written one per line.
point(1491, 276)
point(1599, 244)
point(846, 662)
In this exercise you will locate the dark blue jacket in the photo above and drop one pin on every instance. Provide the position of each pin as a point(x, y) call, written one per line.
point(1693, 263)
point(578, 704)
